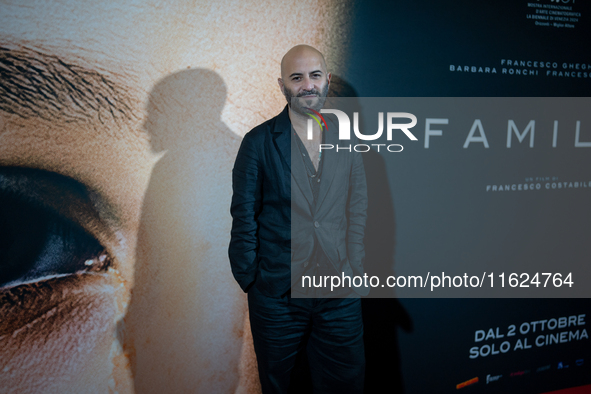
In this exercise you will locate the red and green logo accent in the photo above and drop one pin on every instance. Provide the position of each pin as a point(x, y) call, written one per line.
point(316, 118)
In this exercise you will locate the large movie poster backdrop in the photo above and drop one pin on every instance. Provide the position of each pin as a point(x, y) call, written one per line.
point(118, 129)
point(444, 209)
point(119, 125)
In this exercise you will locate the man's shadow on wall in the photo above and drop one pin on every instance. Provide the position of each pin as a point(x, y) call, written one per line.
point(381, 316)
point(185, 322)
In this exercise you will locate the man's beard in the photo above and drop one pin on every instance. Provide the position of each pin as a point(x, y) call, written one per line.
point(301, 105)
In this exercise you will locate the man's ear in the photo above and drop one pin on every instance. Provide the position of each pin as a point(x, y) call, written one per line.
point(280, 82)
point(328, 77)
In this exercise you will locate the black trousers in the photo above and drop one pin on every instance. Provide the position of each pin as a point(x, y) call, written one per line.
point(334, 329)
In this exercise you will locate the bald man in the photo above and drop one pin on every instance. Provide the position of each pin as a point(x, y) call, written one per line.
point(297, 212)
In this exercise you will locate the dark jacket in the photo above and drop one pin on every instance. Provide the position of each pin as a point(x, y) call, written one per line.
point(275, 221)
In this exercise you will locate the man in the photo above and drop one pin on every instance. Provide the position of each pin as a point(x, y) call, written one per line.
point(298, 212)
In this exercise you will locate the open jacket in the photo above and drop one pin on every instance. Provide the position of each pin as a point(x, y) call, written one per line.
point(275, 222)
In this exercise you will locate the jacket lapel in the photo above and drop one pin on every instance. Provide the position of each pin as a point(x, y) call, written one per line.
point(282, 136)
point(290, 154)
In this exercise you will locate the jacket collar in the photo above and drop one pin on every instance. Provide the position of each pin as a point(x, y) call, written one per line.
point(282, 122)
point(281, 132)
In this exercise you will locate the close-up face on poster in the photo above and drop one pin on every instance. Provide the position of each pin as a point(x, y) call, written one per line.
point(295, 197)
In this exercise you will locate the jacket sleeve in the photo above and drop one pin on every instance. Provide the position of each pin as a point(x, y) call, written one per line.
point(245, 207)
point(357, 215)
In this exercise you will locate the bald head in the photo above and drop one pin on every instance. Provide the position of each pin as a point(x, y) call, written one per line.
point(299, 55)
point(303, 74)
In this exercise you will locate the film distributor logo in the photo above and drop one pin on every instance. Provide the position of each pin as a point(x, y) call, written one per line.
point(344, 130)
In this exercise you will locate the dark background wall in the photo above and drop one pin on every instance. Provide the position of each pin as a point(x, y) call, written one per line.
point(407, 49)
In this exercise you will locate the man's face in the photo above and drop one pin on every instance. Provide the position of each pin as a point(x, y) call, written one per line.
point(83, 157)
point(304, 77)
point(306, 99)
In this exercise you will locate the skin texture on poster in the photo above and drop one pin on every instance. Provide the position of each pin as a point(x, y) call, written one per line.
point(118, 127)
